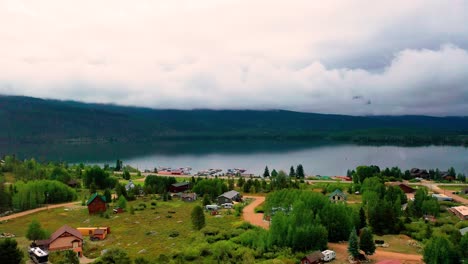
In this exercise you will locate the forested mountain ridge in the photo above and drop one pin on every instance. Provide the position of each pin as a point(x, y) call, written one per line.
point(26, 119)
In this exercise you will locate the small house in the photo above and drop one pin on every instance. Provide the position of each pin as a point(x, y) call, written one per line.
point(179, 187)
point(337, 196)
point(188, 197)
point(313, 258)
point(96, 204)
point(229, 197)
point(419, 173)
point(65, 238)
point(130, 185)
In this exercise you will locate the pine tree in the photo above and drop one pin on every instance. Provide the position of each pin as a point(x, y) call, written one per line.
point(108, 195)
point(266, 173)
point(292, 173)
point(198, 218)
point(300, 172)
point(274, 173)
point(366, 242)
point(362, 218)
point(9, 252)
point(353, 244)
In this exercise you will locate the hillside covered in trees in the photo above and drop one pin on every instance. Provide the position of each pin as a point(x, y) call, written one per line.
point(26, 119)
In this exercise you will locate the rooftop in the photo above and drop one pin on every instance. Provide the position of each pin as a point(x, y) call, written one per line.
point(463, 210)
point(231, 194)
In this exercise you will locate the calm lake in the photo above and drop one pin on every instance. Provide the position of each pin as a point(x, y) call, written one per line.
point(317, 158)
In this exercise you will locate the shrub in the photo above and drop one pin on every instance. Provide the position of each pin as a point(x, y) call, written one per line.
point(174, 233)
point(210, 231)
point(153, 203)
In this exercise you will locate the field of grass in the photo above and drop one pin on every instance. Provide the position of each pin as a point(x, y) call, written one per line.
point(398, 244)
point(146, 233)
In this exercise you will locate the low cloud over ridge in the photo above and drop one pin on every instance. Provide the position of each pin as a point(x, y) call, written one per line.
point(334, 58)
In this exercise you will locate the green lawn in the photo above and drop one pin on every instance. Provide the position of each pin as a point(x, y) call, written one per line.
point(455, 188)
point(146, 231)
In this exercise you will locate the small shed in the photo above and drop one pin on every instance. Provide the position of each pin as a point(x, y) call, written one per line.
point(96, 204)
point(313, 258)
point(179, 187)
point(188, 197)
point(337, 196)
point(229, 197)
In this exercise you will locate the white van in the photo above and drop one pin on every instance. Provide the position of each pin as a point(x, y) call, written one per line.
point(329, 255)
point(211, 207)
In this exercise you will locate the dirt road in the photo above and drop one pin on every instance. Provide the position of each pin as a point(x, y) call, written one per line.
point(379, 255)
point(249, 214)
point(12, 216)
point(435, 188)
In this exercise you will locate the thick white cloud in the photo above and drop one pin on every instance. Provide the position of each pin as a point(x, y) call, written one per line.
point(359, 57)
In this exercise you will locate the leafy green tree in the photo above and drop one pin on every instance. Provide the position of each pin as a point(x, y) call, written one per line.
point(35, 231)
point(451, 172)
point(206, 199)
point(439, 250)
point(464, 246)
point(64, 257)
point(122, 202)
point(366, 242)
point(198, 218)
point(108, 195)
point(274, 173)
point(126, 175)
point(353, 244)
point(266, 173)
point(115, 256)
point(300, 172)
point(9, 252)
point(292, 173)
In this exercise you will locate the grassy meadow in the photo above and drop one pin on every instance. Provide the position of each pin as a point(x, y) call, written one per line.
point(146, 233)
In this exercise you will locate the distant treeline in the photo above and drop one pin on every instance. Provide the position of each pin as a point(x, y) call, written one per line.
point(25, 119)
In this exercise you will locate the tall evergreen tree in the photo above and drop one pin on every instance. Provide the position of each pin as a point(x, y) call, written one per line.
point(362, 218)
point(198, 218)
point(366, 242)
point(108, 195)
point(300, 172)
point(274, 173)
point(353, 244)
point(292, 173)
point(9, 252)
point(266, 173)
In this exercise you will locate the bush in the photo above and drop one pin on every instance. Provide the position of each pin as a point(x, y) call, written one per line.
point(210, 231)
point(142, 205)
point(174, 233)
point(153, 203)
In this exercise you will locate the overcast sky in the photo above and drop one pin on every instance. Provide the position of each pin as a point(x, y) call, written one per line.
point(346, 57)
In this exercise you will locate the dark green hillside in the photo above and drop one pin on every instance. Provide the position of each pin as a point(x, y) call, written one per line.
point(25, 119)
